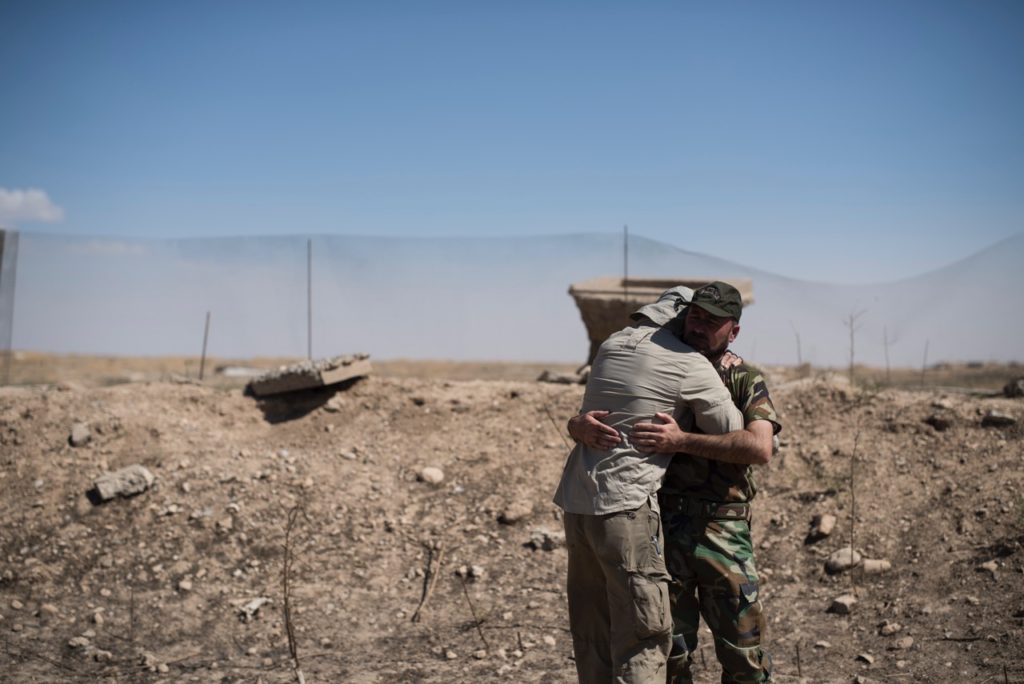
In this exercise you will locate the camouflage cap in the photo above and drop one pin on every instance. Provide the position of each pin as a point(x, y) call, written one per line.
point(719, 299)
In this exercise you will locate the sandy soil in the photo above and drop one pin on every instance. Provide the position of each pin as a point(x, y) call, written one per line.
point(150, 588)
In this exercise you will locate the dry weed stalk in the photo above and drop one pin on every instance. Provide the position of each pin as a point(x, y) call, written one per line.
point(289, 626)
point(554, 424)
point(853, 504)
point(430, 578)
point(472, 609)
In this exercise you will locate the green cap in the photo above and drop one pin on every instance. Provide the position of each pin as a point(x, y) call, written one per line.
point(719, 299)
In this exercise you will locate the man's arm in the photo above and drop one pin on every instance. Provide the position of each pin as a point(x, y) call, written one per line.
point(751, 445)
point(588, 429)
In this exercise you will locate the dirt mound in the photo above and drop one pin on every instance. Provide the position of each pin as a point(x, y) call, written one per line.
point(184, 582)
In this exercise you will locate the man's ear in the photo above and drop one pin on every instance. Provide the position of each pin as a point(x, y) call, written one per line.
point(735, 333)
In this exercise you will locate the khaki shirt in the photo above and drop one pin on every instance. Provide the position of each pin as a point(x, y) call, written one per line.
point(637, 373)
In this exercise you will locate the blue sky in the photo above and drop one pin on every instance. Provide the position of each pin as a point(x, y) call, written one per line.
point(842, 142)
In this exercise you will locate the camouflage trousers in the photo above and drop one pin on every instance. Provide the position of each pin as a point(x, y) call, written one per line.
point(711, 561)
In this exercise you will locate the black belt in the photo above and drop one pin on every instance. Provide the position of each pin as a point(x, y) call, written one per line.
point(712, 510)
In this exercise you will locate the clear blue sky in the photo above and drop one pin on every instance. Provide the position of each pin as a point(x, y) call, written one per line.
point(844, 142)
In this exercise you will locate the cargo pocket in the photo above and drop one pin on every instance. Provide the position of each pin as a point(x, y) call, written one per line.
point(651, 615)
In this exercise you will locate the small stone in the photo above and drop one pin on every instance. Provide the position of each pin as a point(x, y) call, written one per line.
point(80, 435)
point(480, 655)
point(48, 610)
point(325, 642)
point(822, 644)
point(903, 643)
point(78, 642)
point(184, 585)
point(431, 475)
point(549, 640)
point(516, 511)
point(125, 482)
point(1014, 388)
point(989, 566)
point(842, 560)
point(267, 662)
point(821, 527)
point(97, 618)
point(866, 658)
point(872, 566)
point(477, 572)
point(545, 540)
point(450, 654)
point(842, 605)
point(941, 423)
point(889, 628)
point(17, 627)
point(997, 419)
point(17, 605)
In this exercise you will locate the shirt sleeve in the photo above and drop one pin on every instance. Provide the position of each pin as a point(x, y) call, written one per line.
point(703, 391)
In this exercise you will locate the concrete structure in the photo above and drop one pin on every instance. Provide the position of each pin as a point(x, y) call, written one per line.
point(310, 374)
point(605, 303)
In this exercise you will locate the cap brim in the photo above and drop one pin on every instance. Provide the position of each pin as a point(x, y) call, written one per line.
point(713, 310)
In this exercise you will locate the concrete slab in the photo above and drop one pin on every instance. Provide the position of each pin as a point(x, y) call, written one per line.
point(310, 374)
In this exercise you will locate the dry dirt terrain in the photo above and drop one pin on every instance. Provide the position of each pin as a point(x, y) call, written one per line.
point(164, 586)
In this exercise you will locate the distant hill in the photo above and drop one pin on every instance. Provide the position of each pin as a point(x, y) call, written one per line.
point(472, 298)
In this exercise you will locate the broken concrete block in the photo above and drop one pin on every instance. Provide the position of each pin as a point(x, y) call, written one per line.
point(125, 482)
point(311, 374)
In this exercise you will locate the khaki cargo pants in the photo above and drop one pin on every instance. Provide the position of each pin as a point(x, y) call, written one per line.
point(619, 611)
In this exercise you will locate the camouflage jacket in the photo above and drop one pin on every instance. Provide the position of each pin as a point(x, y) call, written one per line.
point(701, 478)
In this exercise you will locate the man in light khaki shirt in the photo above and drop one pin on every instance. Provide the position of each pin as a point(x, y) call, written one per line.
point(617, 581)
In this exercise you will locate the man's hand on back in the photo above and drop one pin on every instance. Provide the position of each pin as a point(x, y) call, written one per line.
point(588, 429)
point(664, 438)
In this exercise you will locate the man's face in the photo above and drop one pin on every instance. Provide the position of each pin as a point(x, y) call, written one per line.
point(709, 334)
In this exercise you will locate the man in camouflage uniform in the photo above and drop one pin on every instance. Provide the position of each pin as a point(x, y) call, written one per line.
point(705, 501)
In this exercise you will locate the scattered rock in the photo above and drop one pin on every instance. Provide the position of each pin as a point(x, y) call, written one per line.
point(516, 511)
point(1014, 388)
point(941, 423)
point(888, 628)
point(822, 644)
point(989, 566)
point(997, 419)
point(842, 605)
point(562, 378)
point(866, 658)
point(17, 605)
point(874, 566)
point(431, 475)
point(184, 585)
point(904, 643)
point(125, 482)
point(544, 540)
point(842, 560)
point(821, 527)
point(80, 435)
point(247, 609)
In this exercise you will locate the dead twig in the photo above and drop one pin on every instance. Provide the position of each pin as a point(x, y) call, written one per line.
point(472, 609)
point(430, 578)
point(554, 424)
point(293, 649)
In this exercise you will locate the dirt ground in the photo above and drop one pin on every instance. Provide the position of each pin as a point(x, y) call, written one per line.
point(153, 588)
